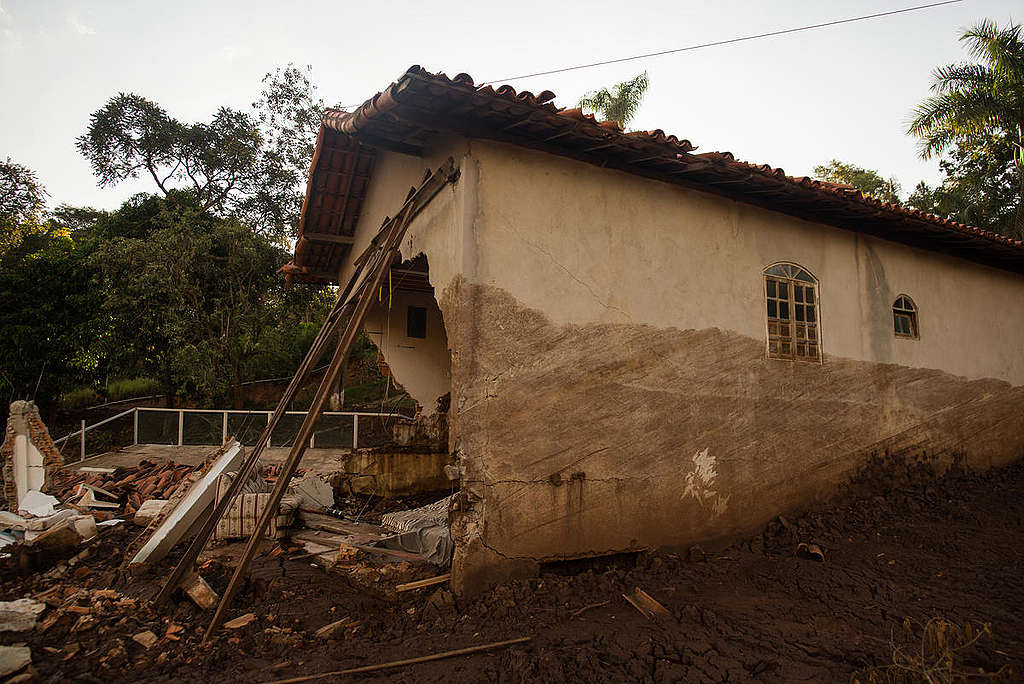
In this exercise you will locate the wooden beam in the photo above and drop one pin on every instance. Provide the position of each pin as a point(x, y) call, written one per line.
point(329, 238)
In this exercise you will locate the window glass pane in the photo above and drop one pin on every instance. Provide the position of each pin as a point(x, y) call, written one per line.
point(798, 293)
point(785, 347)
point(812, 351)
point(784, 310)
point(812, 332)
point(895, 322)
point(773, 309)
point(810, 315)
point(809, 295)
point(778, 269)
point(800, 312)
point(784, 290)
point(784, 331)
point(803, 275)
point(771, 287)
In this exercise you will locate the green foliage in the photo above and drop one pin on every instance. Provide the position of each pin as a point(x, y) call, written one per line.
point(130, 388)
point(868, 181)
point(22, 204)
point(982, 100)
point(620, 103)
point(48, 316)
point(200, 298)
point(288, 114)
point(215, 162)
point(251, 166)
point(979, 186)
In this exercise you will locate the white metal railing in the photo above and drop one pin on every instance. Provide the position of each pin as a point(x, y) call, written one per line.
point(81, 433)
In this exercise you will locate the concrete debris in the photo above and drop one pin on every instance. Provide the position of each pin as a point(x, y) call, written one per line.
point(20, 615)
point(37, 504)
point(200, 592)
point(14, 658)
point(196, 503)
point(148, 511)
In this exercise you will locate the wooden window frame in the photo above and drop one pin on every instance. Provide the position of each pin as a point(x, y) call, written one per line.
point(792, 306)
point(907, 311)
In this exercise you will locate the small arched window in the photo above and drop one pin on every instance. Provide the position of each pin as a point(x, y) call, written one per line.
point(904, 317)
point(791, 294)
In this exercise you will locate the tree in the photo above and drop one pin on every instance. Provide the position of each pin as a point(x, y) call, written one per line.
point(868, 181)
point(22, 204)
point(979, 186)
point(47, 317)
point(620, 103)
point(288, 113)
point(983, 99)
point(249, 165)
point(216, 161)
point(194, 300)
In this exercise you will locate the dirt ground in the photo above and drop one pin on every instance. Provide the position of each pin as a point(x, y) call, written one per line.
point(917, 548)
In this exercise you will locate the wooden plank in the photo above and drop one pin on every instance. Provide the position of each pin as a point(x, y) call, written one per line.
point(409, 586)
point(407, 661)
point(329, 238)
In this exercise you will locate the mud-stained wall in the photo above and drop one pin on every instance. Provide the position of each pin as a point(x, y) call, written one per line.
point(609, 385)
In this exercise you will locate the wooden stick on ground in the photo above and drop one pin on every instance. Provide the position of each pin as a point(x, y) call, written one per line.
point(424, 582)
point(408, 661)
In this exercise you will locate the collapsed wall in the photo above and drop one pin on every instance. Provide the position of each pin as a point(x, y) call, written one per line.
point(28, 456)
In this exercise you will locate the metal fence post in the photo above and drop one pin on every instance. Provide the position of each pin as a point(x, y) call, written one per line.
point(181, 427)
point(224, 430)
point(135, 426)
point(83, 442)
point(355, 430)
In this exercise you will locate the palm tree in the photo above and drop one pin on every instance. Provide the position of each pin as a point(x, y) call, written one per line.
point(620, 103)
point(978, 99)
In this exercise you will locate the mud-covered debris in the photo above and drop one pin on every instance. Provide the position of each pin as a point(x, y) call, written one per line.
point(241, 621)
point(812, 551)
point(147, 639)
point(14, 658)
point(20, 615)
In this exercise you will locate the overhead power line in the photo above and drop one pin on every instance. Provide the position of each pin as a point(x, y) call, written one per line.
point(741, 39)
point(716, 43)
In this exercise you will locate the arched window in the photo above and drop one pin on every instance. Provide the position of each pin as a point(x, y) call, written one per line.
point(904, 317)
point(792, 297)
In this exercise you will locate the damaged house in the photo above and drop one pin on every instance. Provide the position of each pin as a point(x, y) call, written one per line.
point(636, 344)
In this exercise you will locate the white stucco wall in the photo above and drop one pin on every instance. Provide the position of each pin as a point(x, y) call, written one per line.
point(584, 244)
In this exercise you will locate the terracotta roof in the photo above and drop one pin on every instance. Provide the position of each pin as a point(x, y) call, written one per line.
point(420, 105)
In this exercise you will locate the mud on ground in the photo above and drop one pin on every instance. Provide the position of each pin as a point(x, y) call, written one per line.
point(921, 549)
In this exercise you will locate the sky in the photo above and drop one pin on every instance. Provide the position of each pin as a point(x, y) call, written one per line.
point(792, 101)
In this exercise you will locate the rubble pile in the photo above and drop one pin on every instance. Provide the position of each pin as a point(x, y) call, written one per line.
point(128, 487)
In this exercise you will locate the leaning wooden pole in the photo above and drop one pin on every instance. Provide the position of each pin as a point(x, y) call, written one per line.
point(327, 333)
point(389, 249)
